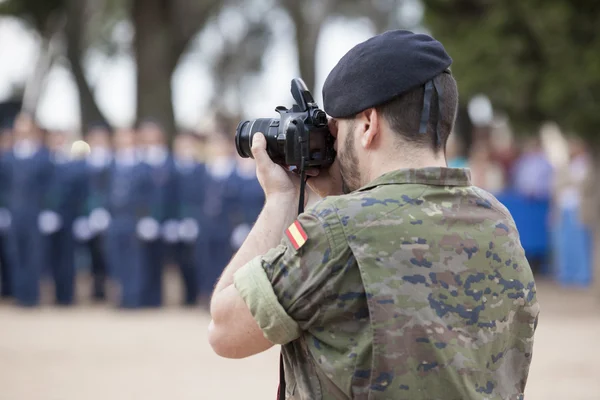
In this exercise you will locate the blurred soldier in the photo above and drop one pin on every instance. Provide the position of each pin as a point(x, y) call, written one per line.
point(5, 218)
point(219, 210)
point(248, 202)
point(31, 171)
point(66, 191)
point(190, 249)
point(573, 249)
point(157, 227)
point(93, 220)
point(532, 172)
point(124, 206)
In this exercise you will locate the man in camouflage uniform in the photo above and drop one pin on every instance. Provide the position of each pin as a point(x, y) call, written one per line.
point(405, 281)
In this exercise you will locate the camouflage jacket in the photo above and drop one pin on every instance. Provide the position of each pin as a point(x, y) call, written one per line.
point(413, 287)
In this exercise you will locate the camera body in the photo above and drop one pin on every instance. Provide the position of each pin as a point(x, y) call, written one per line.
point(299, 138)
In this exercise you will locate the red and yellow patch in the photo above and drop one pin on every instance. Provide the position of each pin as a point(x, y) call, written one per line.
point(296, 234)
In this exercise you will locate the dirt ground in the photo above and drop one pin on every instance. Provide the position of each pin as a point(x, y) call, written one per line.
point(92, 352)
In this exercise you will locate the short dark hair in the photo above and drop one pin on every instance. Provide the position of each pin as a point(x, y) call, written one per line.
point(403, 113)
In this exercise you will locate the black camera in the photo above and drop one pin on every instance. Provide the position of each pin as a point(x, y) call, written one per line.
point(299, 138)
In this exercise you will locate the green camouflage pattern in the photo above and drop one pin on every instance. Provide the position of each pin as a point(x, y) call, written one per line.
point(416, 286)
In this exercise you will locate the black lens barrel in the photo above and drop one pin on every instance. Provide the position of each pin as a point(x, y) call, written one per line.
point(241, 138)
point(246, 130)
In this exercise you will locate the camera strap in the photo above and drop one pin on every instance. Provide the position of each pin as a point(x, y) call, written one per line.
point(302, 190)
point(281, 389)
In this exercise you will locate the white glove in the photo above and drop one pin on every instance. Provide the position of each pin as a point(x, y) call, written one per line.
point(5, 219)
point(148, 229)
point(49, 222)
point(99, 220)
point(188, 230)
point(170, 231)
point(81, 229)
point(239, 235)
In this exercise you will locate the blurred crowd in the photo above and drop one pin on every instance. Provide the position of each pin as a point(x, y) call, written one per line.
point(542, 180)
point(122, 207)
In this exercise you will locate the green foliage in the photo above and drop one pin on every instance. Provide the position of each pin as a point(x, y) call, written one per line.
point(39, 13)
point(537, 60)
point(103, 16)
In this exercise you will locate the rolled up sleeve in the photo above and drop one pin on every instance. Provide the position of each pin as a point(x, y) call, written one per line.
point(286, 287)
point(254, 286)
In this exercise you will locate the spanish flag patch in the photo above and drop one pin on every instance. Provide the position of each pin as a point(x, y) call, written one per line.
point(296, 234)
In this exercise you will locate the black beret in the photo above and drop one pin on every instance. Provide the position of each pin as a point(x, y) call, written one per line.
point(381, 68)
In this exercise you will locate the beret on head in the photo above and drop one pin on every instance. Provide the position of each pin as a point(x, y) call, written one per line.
point(381, 68)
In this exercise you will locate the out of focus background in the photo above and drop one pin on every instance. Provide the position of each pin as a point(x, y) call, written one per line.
point(122, 196)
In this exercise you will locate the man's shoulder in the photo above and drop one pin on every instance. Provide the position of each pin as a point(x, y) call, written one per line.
point(379, 196)
point(359, 208)
point(488, 200)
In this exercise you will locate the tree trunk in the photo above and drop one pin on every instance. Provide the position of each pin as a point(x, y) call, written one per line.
point(308, 17)
point(306, 38)
point(156, 61)
point(75, 32)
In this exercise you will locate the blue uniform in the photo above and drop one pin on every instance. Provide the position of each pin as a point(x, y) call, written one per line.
point(94, 221)
point(6, 264)
point(191, 247)
point(28, 185)
point(250, 201)
point(66, 191)
point(159, 205)
point(123, 247)
point(219, 210)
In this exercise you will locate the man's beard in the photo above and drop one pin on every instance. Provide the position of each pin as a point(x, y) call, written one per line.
point(349, 164)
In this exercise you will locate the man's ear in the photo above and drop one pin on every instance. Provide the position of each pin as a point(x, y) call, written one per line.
point(372, 121)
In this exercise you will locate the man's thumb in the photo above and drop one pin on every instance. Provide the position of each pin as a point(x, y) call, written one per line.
point(259, 147)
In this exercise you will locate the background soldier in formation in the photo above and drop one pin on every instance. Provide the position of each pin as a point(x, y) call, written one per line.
point(6, 138)
point(30, 172)
point(190, 247)
point(93, 219)
point(65, 191)
point(157, 227)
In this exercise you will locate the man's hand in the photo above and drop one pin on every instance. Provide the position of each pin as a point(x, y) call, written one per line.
point(279, 183)
point(328, 182)
point(274, 180)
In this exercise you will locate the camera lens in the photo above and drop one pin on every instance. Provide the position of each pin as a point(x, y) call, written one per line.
point(242, 136)
point(246, 130)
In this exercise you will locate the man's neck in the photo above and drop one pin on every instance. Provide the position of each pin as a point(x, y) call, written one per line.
point(382, 165)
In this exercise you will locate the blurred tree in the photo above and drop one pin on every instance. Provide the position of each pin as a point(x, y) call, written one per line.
point(47, 19)
point(79, 18)
point(537, 61)
point(51, 18)
point(163, 30)
point(239, 58)
point(309, 17)
point(43, 15)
